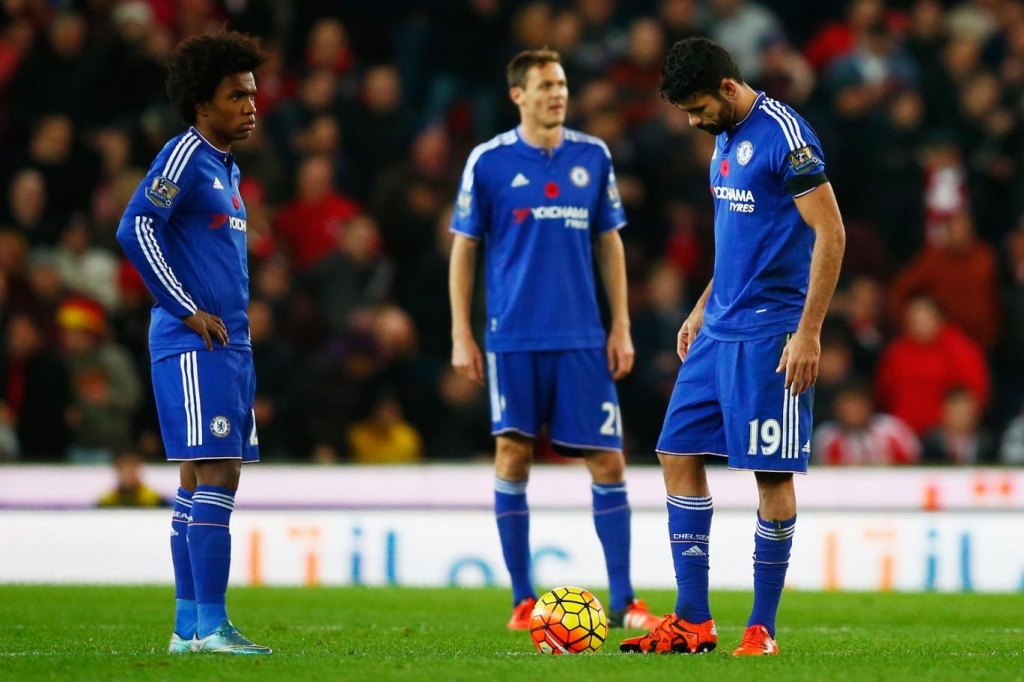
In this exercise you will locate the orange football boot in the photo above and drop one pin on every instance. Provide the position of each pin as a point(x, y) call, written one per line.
point(674, 635)
point(635, 616)
point(521, 614)
point(757, 642)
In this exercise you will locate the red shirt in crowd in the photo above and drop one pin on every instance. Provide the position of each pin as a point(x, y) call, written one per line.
point(885, 440)
point(914, 377)
point(311, 228)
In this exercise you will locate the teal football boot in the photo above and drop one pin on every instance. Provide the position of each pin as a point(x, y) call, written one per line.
point(180, 645)
point(228, 640)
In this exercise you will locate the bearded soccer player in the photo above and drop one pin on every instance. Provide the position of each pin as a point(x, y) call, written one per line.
point(750, 347)
point(185, 232)
point(543, 200)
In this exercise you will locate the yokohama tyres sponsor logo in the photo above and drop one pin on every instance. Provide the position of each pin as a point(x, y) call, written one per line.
point(740, 200)
point(575, 217)
point(733, 194)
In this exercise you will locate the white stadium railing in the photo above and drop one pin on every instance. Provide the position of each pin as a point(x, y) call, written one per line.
point(858, 529)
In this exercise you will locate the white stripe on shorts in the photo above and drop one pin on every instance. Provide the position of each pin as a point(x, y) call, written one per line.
point(492, 383)
point(790, 425)
point(193, 403)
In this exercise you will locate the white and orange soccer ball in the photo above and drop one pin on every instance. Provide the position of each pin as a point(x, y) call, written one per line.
point(568, 620)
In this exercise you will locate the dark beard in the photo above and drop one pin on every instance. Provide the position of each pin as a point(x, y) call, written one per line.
point(726, 119)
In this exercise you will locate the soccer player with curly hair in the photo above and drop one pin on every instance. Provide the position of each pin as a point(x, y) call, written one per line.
point(184, 230)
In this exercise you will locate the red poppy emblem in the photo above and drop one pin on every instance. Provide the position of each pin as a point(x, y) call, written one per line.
point(551, 190)
point(236, 202)
point(725, 168)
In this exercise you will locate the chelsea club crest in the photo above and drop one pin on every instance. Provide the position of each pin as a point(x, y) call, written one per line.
point(744, 152)
point(579, 176)
point(220, 426)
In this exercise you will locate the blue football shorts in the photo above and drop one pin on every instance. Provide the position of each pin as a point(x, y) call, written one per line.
point(729, 401)
point(204, 400)
point(571, 391)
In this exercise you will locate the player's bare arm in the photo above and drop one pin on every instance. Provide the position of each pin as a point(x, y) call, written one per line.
point(799, 358)
point(611, 262)
point(208, 326)
point(692, 324)
point(467, 359)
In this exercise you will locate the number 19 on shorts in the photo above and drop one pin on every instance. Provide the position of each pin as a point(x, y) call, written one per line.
point(769, 436)
point(764, 436)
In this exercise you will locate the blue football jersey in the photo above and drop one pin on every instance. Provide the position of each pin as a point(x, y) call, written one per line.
point(184, 230)
point(537, 214)
point(762, 244)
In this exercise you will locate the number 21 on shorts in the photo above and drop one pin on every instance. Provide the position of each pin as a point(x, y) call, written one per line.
point(612, 425)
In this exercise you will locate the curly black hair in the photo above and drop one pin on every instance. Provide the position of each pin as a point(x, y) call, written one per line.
point(695, 67)
point(201, 63)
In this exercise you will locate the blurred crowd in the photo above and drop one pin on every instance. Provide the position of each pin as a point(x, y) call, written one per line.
point(368, 111)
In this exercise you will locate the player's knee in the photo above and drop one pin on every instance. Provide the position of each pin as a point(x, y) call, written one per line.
point(513, 457)
point(187, 476)
point(223, 473)
point(773, 479)
point(684, 474)
point(606, 467)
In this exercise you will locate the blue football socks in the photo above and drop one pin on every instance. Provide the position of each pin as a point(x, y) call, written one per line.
point(209, 541)
point(514, 530)
point(689, 530)
point(184, 587)
point(773, 541)
point(612, 521)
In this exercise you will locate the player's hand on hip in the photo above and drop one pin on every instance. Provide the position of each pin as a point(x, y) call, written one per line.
point(620, 352)
point(208, 326)
point(467, 360)
point(800, 361)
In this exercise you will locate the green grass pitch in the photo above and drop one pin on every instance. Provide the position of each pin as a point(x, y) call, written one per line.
point(120, 633)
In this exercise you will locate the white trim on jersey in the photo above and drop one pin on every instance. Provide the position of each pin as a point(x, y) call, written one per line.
point(180, 156)
point(176, 172)
point(192, 402)
point(790, 126)
point(172, 157)
point(505, 138)
point(467, 235)
point(577, 136)
point(155, 257)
